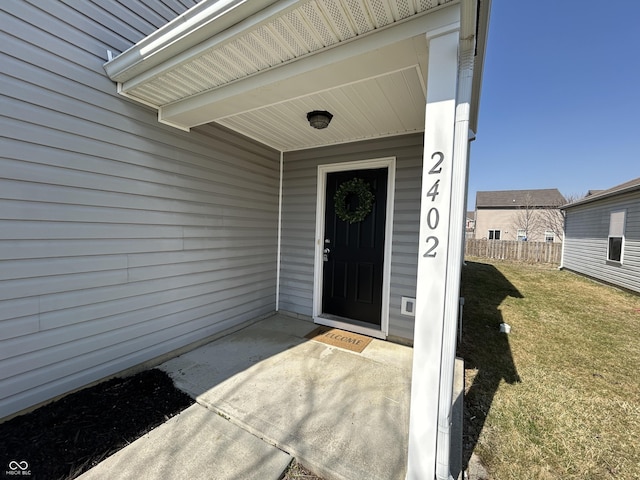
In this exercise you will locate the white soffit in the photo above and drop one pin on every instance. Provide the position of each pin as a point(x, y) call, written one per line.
point(260, 74)
point(361, 110)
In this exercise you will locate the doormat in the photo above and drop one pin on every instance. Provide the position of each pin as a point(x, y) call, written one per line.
point(340, 338)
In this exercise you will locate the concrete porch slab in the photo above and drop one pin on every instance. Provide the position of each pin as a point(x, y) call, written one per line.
point(344, 415)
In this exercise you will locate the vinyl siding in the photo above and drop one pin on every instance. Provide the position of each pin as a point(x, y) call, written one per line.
point(299, 221)
point(120, 239)
point(586, 239)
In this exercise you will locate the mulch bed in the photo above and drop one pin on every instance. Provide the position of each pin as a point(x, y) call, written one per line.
point(65, 438)
point(297, 471)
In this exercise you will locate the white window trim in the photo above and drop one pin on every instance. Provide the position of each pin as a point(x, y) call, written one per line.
point(611, 260)
point(323, 170)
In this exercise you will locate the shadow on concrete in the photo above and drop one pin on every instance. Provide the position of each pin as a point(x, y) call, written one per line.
point(343, 415)
point(483, 347)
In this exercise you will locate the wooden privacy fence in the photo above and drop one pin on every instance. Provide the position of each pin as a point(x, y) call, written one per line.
point(531, 252)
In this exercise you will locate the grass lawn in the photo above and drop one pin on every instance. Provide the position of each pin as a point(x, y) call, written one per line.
point(559, 397)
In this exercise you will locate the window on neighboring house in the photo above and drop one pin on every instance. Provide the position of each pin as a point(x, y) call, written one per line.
point(549, 236)
point(522, 235)
point(494, 234)
point(616, 236)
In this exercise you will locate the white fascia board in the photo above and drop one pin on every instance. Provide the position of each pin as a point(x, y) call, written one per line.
point(201, 108)
point(208, 23)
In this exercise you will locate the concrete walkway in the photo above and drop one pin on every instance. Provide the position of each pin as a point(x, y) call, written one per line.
point(196, 444)
point(266, 394)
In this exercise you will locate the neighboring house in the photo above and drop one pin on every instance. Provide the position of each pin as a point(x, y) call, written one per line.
point(183, 193)
point(602, 236)
point(525, 215)
point(470, 224)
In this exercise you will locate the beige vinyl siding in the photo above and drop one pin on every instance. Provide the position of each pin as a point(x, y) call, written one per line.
point(586, 241)
point(121, 239)
point(299, 220)
point(506, 220)
point(495, 219)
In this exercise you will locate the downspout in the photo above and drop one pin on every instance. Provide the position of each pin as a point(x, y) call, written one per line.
point(564, 238)
point(278, 255)
point(472, 137)
point(456, 233)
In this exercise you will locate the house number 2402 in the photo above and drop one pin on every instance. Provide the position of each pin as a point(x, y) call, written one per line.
point(433, 215)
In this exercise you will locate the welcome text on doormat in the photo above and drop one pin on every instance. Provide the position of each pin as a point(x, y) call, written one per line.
point(340, 338)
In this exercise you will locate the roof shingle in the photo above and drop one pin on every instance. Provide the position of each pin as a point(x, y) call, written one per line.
point(549, 197)
point(595, 195)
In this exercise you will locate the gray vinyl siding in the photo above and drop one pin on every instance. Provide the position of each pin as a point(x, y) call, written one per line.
point(121, 239)
point(586, 239)
point(299, 221)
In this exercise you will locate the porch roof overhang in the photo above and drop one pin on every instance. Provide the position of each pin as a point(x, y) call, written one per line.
point(257, 67)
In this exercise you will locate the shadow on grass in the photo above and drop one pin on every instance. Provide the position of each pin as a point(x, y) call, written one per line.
point(483, 347)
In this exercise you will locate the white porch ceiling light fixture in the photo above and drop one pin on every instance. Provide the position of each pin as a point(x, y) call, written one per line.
point(319, 119)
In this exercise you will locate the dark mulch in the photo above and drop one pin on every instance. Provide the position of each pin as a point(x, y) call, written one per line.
point(297, 471)
point(65, 438)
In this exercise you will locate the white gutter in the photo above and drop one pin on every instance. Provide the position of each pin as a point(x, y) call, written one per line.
point(208, 21)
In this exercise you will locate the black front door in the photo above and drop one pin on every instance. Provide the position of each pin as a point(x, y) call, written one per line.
point(353, 245)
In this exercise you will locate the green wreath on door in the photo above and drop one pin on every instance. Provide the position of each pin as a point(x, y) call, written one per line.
point(354, 187)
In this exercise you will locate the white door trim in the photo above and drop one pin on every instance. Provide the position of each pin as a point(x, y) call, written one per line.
point(323, 170)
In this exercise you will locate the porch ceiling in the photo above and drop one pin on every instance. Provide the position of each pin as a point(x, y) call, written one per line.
point(257, 67)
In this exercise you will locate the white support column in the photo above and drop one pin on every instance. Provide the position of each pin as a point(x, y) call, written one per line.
point(432, 297)
point(456, 251)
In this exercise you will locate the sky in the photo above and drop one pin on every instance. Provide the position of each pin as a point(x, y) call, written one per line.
point(560, 100)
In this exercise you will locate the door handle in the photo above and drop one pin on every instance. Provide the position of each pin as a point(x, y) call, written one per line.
point(327, 250)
